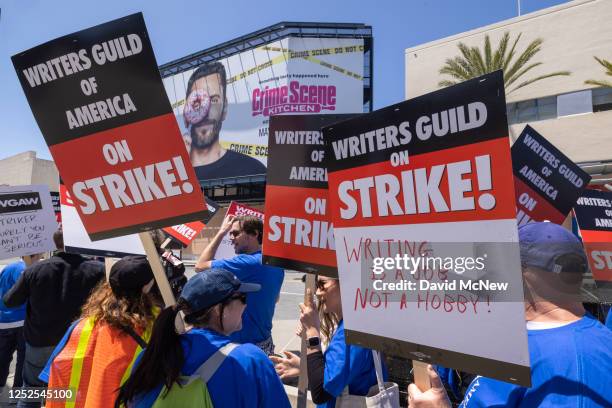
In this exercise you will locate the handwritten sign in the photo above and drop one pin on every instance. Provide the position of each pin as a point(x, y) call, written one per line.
point(27, 221)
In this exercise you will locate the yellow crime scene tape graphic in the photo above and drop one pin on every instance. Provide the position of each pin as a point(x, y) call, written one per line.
point(257, 68)
point(308, 55)
point(253, 150)
point(317, 51)
point(285, 55)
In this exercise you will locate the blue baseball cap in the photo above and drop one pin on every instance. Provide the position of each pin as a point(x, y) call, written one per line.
point(213, 286)
point(551, 247)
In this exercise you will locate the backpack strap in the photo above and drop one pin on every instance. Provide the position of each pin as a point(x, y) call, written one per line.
point(210, 366)
point(132, 333)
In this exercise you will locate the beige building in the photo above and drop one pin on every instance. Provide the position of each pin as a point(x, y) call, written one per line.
point(25, 169)
point(574, 116)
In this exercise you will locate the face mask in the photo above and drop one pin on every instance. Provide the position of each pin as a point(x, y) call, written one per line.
point(197, 107)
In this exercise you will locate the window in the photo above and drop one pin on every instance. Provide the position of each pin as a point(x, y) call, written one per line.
point(532, 110)
point(602, 99)
point(575, 103)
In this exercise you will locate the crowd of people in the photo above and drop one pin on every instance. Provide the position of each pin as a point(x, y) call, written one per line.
point(108, 336)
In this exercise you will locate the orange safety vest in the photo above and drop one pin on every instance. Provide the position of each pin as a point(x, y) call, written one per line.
point(96, 360)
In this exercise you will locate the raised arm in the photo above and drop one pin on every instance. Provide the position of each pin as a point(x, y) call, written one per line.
point(205, 260)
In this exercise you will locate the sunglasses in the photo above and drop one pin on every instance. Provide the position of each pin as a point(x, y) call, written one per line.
point(321, 284)
point(239, 296)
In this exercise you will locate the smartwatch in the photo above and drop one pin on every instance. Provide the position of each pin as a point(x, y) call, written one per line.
point(314, 342)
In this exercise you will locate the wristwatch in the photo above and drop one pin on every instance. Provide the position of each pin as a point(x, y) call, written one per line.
point(314, 342)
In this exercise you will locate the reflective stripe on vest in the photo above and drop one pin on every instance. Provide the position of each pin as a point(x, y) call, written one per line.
point(79, 355)
point(90, 358)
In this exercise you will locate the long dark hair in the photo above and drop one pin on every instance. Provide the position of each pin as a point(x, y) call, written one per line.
point(163, 358)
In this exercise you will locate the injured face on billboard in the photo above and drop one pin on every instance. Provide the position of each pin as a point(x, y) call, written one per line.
point(204, 112)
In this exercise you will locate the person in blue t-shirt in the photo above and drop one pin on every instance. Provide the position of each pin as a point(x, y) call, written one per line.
point(569, 350)
point(213, 303)
point(246, 234)
point(11, 322)
point(343, 366)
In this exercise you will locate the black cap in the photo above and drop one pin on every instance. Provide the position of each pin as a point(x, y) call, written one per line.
point(130, 274)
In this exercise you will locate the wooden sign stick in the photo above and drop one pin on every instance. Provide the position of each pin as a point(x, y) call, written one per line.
point(158, 269)
point(421, 376)
point(303, 378)
point(108, 264)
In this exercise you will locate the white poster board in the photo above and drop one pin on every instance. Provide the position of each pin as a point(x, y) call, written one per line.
point(77, 241)
point(27, 221)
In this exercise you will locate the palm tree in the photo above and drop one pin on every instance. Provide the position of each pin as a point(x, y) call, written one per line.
point(608, 66)
point(472, 64)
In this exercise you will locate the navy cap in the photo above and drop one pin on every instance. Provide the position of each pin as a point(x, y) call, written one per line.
point(129, 274)
point(213, 286)
point(551, 247)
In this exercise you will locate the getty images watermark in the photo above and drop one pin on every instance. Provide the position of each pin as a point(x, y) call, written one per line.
point(420, 269)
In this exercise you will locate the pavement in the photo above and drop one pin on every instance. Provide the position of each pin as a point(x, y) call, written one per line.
point(287, 313)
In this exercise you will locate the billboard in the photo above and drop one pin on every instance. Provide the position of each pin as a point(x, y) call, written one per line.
point(223, 108)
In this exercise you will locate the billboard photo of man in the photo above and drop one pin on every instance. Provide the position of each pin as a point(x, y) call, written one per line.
point(204, 112)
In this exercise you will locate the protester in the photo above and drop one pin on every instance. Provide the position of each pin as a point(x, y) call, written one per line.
point(343, 367)
point(11, 322)
point(288, 368)
point(570, 352)
point(96, 354)
point(213, 303)
point(54, 291)
point(246, 235)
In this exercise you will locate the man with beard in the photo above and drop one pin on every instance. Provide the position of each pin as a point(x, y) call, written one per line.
point(246, 234)
point(204, 112)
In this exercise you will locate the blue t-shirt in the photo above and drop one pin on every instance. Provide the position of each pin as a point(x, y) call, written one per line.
point(257, 317)
point(609, 319)
point(11, 317)
point(245, 379)
point(450, 379)
point(347, 364)
point(570, 367)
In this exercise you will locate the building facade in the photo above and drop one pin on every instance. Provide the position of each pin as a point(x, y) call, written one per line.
point(576, 117)
point(25, 169)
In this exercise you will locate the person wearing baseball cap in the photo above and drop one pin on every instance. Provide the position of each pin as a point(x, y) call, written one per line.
point(95, 356)
point(570, 351)
point(234, 375)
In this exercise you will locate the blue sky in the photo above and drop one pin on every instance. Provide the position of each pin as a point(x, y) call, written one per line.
point(181, 27)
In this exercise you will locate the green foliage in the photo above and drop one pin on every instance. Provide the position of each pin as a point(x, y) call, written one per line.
point(473, 62)
point(608, 66)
